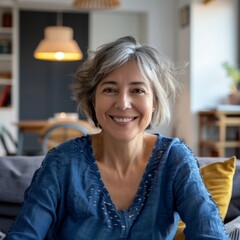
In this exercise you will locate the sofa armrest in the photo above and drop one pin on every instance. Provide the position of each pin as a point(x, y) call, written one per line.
point(2, 235)
point(233, 228)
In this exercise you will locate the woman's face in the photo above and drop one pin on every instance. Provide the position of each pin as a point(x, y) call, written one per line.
point(124, 102)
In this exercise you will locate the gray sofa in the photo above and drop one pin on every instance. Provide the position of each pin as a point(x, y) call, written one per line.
point(16, 174)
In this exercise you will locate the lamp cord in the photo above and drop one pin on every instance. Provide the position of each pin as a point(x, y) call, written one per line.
point(59, 19)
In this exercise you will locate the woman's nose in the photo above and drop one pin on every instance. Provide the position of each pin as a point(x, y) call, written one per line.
point(123, 101)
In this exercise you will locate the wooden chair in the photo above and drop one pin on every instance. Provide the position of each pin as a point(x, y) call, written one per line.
point(59, 132)
point(6, 138)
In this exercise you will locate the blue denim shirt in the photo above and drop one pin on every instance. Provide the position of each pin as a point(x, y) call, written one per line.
point(67, 198)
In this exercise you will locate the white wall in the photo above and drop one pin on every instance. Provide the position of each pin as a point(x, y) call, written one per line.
point(182, 116)
point(213, 41)
point(160, 22)
point(210, 40)
point(103, 27)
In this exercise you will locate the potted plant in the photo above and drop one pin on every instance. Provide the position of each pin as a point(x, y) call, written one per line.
point(234, 73)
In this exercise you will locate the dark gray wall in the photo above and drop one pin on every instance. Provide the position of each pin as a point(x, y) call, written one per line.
point(44, 85)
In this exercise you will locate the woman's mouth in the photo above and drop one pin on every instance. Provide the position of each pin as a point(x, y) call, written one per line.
point(123, 119)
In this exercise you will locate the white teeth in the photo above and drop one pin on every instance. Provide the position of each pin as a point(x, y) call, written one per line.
point(123, 120)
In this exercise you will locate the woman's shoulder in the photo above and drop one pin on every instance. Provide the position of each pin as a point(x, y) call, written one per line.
point(175, 149)
point(170, 143)
point(68, 158)
point(75, 144)
point(71, 150)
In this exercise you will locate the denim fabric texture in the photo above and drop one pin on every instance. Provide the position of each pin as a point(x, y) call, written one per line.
point(67, 198)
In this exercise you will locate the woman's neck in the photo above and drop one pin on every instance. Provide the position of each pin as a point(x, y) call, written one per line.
point(121, 156)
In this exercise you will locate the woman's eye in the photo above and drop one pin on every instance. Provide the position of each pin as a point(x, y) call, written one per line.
point(138, 91)
point(109, 90)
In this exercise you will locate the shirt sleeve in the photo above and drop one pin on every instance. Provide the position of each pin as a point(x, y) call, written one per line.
point(38, 211)
point(195, 204)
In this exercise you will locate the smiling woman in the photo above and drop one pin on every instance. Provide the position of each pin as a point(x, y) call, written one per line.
point(152, 66)
point(121, 183)
point(124, 102)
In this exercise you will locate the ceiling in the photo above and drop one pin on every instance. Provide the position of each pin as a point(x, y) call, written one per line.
point(48, 4)
point(45, 1)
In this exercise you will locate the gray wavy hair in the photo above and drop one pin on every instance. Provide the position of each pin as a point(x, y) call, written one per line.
point(156, 68)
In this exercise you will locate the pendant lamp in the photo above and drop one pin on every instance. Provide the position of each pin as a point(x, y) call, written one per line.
point(206, 1)
point(58, 45)
point(95, 4)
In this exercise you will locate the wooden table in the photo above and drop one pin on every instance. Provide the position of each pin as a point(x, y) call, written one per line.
point(37, 127)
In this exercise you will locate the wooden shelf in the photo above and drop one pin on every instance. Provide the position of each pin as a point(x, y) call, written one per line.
point(212, 143)
point(6, 108)
point(5, 81)
point(5, 57)
point(223, 121)
point(6, 30)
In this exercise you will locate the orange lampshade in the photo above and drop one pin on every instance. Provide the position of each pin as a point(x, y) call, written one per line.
point(95, 4)
point(206, 1)
point(58, 45)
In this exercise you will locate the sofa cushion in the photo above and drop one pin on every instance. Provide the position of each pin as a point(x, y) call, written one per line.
point(218, 178)
point(16, 174)
point(234, 205)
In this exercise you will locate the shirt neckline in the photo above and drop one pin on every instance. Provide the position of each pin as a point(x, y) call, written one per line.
point(139, 197)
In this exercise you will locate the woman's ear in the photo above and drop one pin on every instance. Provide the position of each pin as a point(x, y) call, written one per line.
point(154, 105)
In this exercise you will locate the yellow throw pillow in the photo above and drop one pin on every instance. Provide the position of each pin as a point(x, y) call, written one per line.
point(218, 178)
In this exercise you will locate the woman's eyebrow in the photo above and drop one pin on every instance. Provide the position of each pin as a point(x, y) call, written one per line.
point(138, 83)
point(131, 83)
point(108, 82)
